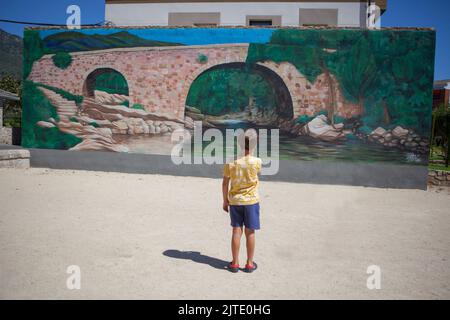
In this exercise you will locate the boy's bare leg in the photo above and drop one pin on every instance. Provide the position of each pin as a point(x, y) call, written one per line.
point(235, 244)
point(250, 237)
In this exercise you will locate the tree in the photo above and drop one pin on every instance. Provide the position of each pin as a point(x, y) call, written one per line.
point(12, 109)
point(403, 88)
point(33, 50)
point(441, 129)
point(313, 52)
point(321, 44)
point(357, 72)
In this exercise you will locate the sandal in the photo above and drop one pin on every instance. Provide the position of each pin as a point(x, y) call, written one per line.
point(249, 268)
point(233, 267)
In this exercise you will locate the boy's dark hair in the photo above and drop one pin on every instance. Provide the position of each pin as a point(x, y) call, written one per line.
point(247, 140)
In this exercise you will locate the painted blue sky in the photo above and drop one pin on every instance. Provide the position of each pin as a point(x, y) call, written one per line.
point(412, 13)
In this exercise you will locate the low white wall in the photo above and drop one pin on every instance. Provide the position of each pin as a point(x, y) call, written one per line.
point(350, 14)
point(15, 158)
point(5, 135)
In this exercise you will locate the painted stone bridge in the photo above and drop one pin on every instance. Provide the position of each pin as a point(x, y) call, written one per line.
point(159, 78)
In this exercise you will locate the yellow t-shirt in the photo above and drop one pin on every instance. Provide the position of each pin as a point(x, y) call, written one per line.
point(243, 174)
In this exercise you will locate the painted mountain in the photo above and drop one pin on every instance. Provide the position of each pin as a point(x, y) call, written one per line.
point(76, 41)
point(10, 55)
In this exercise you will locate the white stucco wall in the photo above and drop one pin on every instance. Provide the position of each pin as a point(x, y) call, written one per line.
point(143, 14)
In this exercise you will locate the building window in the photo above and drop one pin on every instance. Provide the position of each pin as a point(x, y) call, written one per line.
point(319, 17)
point(199, 19)
point(263, 20)
point(205, 25)
point(260, 22)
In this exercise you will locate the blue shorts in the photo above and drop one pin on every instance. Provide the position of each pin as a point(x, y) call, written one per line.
point(247, 215)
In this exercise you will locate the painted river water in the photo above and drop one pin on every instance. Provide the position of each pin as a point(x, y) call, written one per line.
point(304, 148)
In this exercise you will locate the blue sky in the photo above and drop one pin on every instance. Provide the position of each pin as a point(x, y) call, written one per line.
point(411, 13)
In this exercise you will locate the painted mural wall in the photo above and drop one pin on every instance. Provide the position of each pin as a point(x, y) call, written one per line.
point(335, 94)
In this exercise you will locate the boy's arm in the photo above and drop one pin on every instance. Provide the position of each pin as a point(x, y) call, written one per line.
point(225, 184)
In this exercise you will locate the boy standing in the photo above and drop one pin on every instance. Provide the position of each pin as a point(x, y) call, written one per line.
point(241, 200)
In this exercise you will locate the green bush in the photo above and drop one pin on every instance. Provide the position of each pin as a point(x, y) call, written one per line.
point(365, 130)
point(52, 138)
point(94, 124)
point(138, 106)
point(373, 117)
point(12, 122)
point(441, 129)
point(303, 119)
point(440, 167)
point(62, 60)
point(12, 110)
point(338, 119)
point(202, 58)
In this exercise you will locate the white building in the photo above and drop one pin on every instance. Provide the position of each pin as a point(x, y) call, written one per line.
point(341, 13)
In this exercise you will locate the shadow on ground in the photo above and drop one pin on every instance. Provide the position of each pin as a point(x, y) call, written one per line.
point(196, 256)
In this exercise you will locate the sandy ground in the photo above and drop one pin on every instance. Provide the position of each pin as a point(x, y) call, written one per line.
point(136, 236)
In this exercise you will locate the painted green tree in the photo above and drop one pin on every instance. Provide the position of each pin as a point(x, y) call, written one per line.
point(112, 82)
point(357, 72)
point(388, 73)
point(221, 91)
point(33, 50)
point(313, 52)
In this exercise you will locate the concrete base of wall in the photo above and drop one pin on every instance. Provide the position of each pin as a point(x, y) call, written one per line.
point(316, 172)
point(14, 158)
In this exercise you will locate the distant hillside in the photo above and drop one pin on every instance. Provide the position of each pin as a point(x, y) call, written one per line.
point(75, 41)
point(10, 55)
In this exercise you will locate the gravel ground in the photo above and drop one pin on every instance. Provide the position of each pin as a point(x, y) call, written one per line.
point(164, 237)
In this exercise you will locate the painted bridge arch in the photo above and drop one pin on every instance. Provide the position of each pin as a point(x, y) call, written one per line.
point(92, 77)
point(284, 106)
